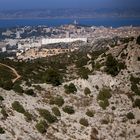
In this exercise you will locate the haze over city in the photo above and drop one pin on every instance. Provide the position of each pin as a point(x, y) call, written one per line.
point(96, 4)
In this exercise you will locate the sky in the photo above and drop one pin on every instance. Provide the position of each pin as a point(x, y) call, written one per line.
point(96, 4)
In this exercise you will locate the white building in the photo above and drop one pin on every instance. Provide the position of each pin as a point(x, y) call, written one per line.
point(18, 35)
point(3, 49)
point(62, 40)
point(7, 33)
point(28, 45)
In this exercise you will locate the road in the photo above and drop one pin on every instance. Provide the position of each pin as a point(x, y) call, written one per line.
point(14, 72)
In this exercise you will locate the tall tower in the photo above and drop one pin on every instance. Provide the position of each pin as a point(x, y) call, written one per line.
point(75, 22)
point(18, 35)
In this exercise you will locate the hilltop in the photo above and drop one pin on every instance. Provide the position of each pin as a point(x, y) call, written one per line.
point(90, 94)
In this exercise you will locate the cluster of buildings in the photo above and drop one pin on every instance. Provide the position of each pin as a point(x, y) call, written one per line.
point(62, 40)
point(26, 40)
point(43, 52)
point(38, 48)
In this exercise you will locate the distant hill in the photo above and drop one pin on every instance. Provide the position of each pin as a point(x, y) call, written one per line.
point(69, 13)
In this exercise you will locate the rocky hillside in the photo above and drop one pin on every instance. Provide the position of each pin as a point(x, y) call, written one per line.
point(98, 98)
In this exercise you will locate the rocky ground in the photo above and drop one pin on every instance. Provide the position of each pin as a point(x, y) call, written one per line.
point(105, 124)
point(119, 120)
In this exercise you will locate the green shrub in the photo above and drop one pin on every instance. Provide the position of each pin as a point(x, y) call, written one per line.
point(104, 104)
point(138, 40)
point(28, 84)
point(137, 103)
point(87, 91)
point(28, 116)
point(97, 87)
point(90, 113)
point(38, 87)
point(68, 109)
point(83, 72)
point(84, 122)
point(93, 64)
point(42, 126)
point(104, 94)
point(130, 116)
point(112, 65)
point(126, 39)
point(7, 85)
point(53, 77)
point(4, 113)
point(121, 66)
point(17, 88)
point(30, 92)
point(96, 54)
point(1, 130)
point(81, 62)
point(1, 98)
point(113, 108)
point(104, 121)
point(56, 111)
point(47, 115)
point(70, 88)
point(134, 82)
point(18, 107)
point(97, 66)
point(59, 101)
point(135, 89)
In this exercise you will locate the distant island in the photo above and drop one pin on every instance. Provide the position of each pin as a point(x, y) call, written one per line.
point(69, 13)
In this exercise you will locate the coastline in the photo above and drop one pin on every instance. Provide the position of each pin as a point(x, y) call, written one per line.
point(92, 17)
point(55, 22)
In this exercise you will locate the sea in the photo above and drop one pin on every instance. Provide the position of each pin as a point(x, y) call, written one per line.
point(106, 22)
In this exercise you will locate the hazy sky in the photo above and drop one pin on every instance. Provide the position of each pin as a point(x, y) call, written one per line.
point(32, 4)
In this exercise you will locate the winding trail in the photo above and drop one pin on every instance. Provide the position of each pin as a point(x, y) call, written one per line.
point(14, 71)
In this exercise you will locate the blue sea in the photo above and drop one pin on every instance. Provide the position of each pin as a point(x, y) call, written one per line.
point(107, 22)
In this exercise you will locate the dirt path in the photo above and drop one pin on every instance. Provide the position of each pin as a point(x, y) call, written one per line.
point(13, 70)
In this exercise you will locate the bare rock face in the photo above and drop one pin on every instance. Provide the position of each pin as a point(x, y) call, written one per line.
point(132, 61)
point(116, 50)
point(128, 53)
point(112, 118)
